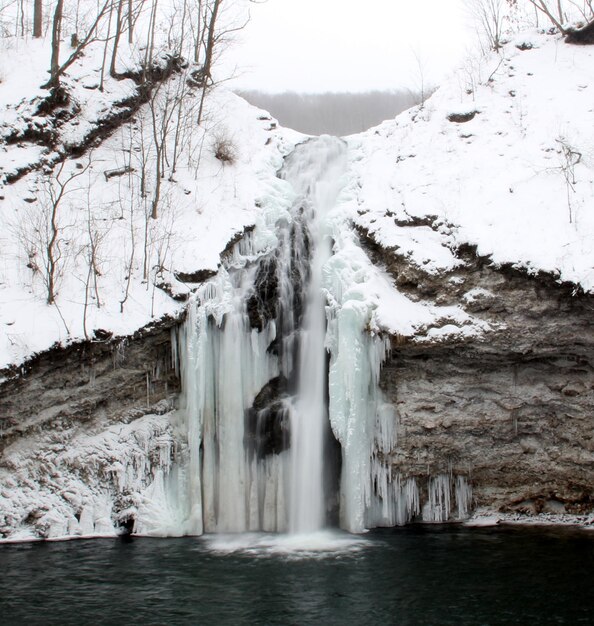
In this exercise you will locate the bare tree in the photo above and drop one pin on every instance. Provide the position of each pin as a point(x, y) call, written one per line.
point(43, 234)
point(569, 157)
point(420, 77)
point(542, 5)
point(489, 15)
point(559, 16)
point(56, 36)
point(38, 18)
point(96, 233)
point(116, 39)
point(57, 69)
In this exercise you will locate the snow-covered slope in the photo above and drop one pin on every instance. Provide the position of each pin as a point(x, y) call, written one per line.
point(501, 157)
point(105, 211)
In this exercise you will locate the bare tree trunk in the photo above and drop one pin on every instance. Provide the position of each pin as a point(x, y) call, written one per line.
point(116, 41)
point(199, 37)
point(151, 39)
point(38, 18)
point(542, 6)
point(210, 42)
point(130, 23)
point(54, 80)
point(105, 48)
point(56, 69)
point(21, 11)
point(209, 53)
point(51, 256)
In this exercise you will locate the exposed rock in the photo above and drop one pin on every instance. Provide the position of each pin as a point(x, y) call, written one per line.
point(515, 412)
point(461, 118)
point(581, 36)
point(87, 381)
point(262, 305)
point(267, 421)
point(198, 276)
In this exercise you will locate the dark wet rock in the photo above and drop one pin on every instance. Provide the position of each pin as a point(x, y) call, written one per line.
point(461, 118)
point(262, 305)
point(582, 36)
point(199, 276)
point(267, 421)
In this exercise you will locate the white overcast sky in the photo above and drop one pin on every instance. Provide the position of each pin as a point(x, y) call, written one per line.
point(348, 45)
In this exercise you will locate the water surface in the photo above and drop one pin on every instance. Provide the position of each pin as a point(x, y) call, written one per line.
point(411, 576)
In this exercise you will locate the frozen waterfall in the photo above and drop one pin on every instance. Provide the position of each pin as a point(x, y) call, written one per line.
point(280, 358)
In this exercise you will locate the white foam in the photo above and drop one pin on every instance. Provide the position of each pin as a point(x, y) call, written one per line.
point(321, 544)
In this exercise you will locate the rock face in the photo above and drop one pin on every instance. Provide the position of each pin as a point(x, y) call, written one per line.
point(513, 411)
point(88, 381)
point(86, 436)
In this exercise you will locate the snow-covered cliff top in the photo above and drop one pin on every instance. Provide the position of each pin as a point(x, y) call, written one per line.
point(204, 204)
point(500, 157)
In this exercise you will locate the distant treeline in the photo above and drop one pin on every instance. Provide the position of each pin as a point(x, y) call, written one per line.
point(332, 113)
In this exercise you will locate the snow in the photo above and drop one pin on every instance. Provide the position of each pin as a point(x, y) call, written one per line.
point(204, 206)
point(419, 185)
point(498, 181)
point(70, 488)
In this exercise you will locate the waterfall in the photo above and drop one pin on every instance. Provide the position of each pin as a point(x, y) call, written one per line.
point(316, 196)
point(280, 358)
point(254, 365)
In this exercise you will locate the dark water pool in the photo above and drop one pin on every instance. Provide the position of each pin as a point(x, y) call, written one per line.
point(417, 575)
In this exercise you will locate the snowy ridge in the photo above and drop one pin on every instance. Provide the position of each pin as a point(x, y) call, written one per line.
point(500, 157)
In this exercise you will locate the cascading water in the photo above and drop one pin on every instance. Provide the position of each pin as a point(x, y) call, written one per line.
point(278, 351)
point(309, 416)
point(255, 365)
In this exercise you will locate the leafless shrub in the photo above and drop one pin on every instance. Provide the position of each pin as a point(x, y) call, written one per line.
point(224, 149)
point(570, 156)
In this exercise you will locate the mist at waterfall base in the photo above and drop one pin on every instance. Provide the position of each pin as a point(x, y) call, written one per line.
point(414, 575)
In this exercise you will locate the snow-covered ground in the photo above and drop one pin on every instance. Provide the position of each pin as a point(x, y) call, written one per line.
point(516, 180)
point(204, 204)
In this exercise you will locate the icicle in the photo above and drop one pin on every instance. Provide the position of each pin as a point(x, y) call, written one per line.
point(438, 505)
point(463, 497)
point(224, 366)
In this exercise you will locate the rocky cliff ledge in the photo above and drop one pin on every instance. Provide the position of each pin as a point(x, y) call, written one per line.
point(84, 433)
point(513, 410)
point(88, 381)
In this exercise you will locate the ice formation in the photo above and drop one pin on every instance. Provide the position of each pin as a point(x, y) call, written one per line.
point(283, 341)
